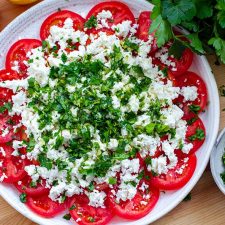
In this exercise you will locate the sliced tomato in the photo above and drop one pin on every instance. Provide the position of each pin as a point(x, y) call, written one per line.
point(192, 79)
point(96, 33)
point(119, 10)
point(26, 187)
point(17, 54)
point(6, 128)
point(85, 214)
point(176, 178)
point(13, 168)
point(58, 19)
point(182, 64)
point(44, 206)
point(138, 207)
point(144, 23)
point(196, 135)
point(5, 151)
point(8, 74)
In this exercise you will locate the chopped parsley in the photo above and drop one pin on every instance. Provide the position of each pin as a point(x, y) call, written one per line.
point(199, 135)
point(23, 197)
point(91, 23)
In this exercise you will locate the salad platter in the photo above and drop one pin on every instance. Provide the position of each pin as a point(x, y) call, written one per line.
point(129, 52)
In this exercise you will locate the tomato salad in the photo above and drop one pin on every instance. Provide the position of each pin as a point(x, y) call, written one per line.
point(95, 119)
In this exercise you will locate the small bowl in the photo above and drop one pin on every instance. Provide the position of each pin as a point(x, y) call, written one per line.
point(216, 163)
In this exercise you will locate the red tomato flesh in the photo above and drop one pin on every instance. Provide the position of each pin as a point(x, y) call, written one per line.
point(58, 19)
point(119, 10)
point(176, 178)
point(85, 214)
point(137, 207)
point(44, 206)
point(144, 23)
point(17, 54)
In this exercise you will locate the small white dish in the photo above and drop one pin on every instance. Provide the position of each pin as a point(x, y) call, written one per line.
point(216, 163)
point(27, 26)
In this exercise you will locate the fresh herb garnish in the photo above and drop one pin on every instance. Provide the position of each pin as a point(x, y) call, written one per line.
point(23, 197)
point(91, 23)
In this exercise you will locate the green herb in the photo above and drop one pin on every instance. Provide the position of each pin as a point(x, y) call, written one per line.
point(67, 217)
point(203, 19)
point(112, 180)
point(187, 198)
point(23, 197)
point(91, 219)
point(64, 58)
point(130, 45)
point(194, 108)
point(91, 23)
point(6, 106)
point(199, 135)
point(72, 207)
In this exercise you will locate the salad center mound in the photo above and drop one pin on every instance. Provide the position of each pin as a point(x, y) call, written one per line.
point(93, 106)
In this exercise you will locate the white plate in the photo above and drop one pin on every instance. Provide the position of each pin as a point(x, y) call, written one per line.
point(27, 26)
point(216, 164)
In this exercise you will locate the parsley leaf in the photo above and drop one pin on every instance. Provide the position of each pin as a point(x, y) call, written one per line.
point(23, 197)
point(178, 10)
point(219, 44)
point(91, 23)
point(177, 49)
point(162, 29)
point(199, 135)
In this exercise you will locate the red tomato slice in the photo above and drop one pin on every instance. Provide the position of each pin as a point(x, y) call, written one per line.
point(197, 140)
point(6, 128)
point(144, 23)
point(192, 79)
point(13, 168)
point(44, 206)
point(96, 32)
point(182, 64)
point(58, 19)
point(17, 54)
point(31, 191)
point(85, 214)
point(5, 152)
point(176, 178)
point(9, 75)
point(120, 12)
point(137, 207)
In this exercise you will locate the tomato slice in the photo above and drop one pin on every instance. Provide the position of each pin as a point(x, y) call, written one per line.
point(176, 178)
point(5, 151)
point(44, 206)
point(182, 64)
point(136, 208)
point(25, 187)
point(85, 214)
point(192, 79)
point(8, 74)
point(119, 10)
point(17, 54)
point(58, 19)
point(13, 168)
point(196, 135)
point(144, 23)
point(6, 128)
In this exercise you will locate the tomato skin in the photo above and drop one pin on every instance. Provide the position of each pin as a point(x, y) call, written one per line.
point(31, 191)
point(83, 212)
point(18, 53)
point(144, 23)
point(44, 206)
point(119, 10)
point(172, 180)
point(191, 130)
point(133, 209)
point(8, 74)
point(183, 63)
point(58, 19)
point(192, 79)
point(14, 169)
